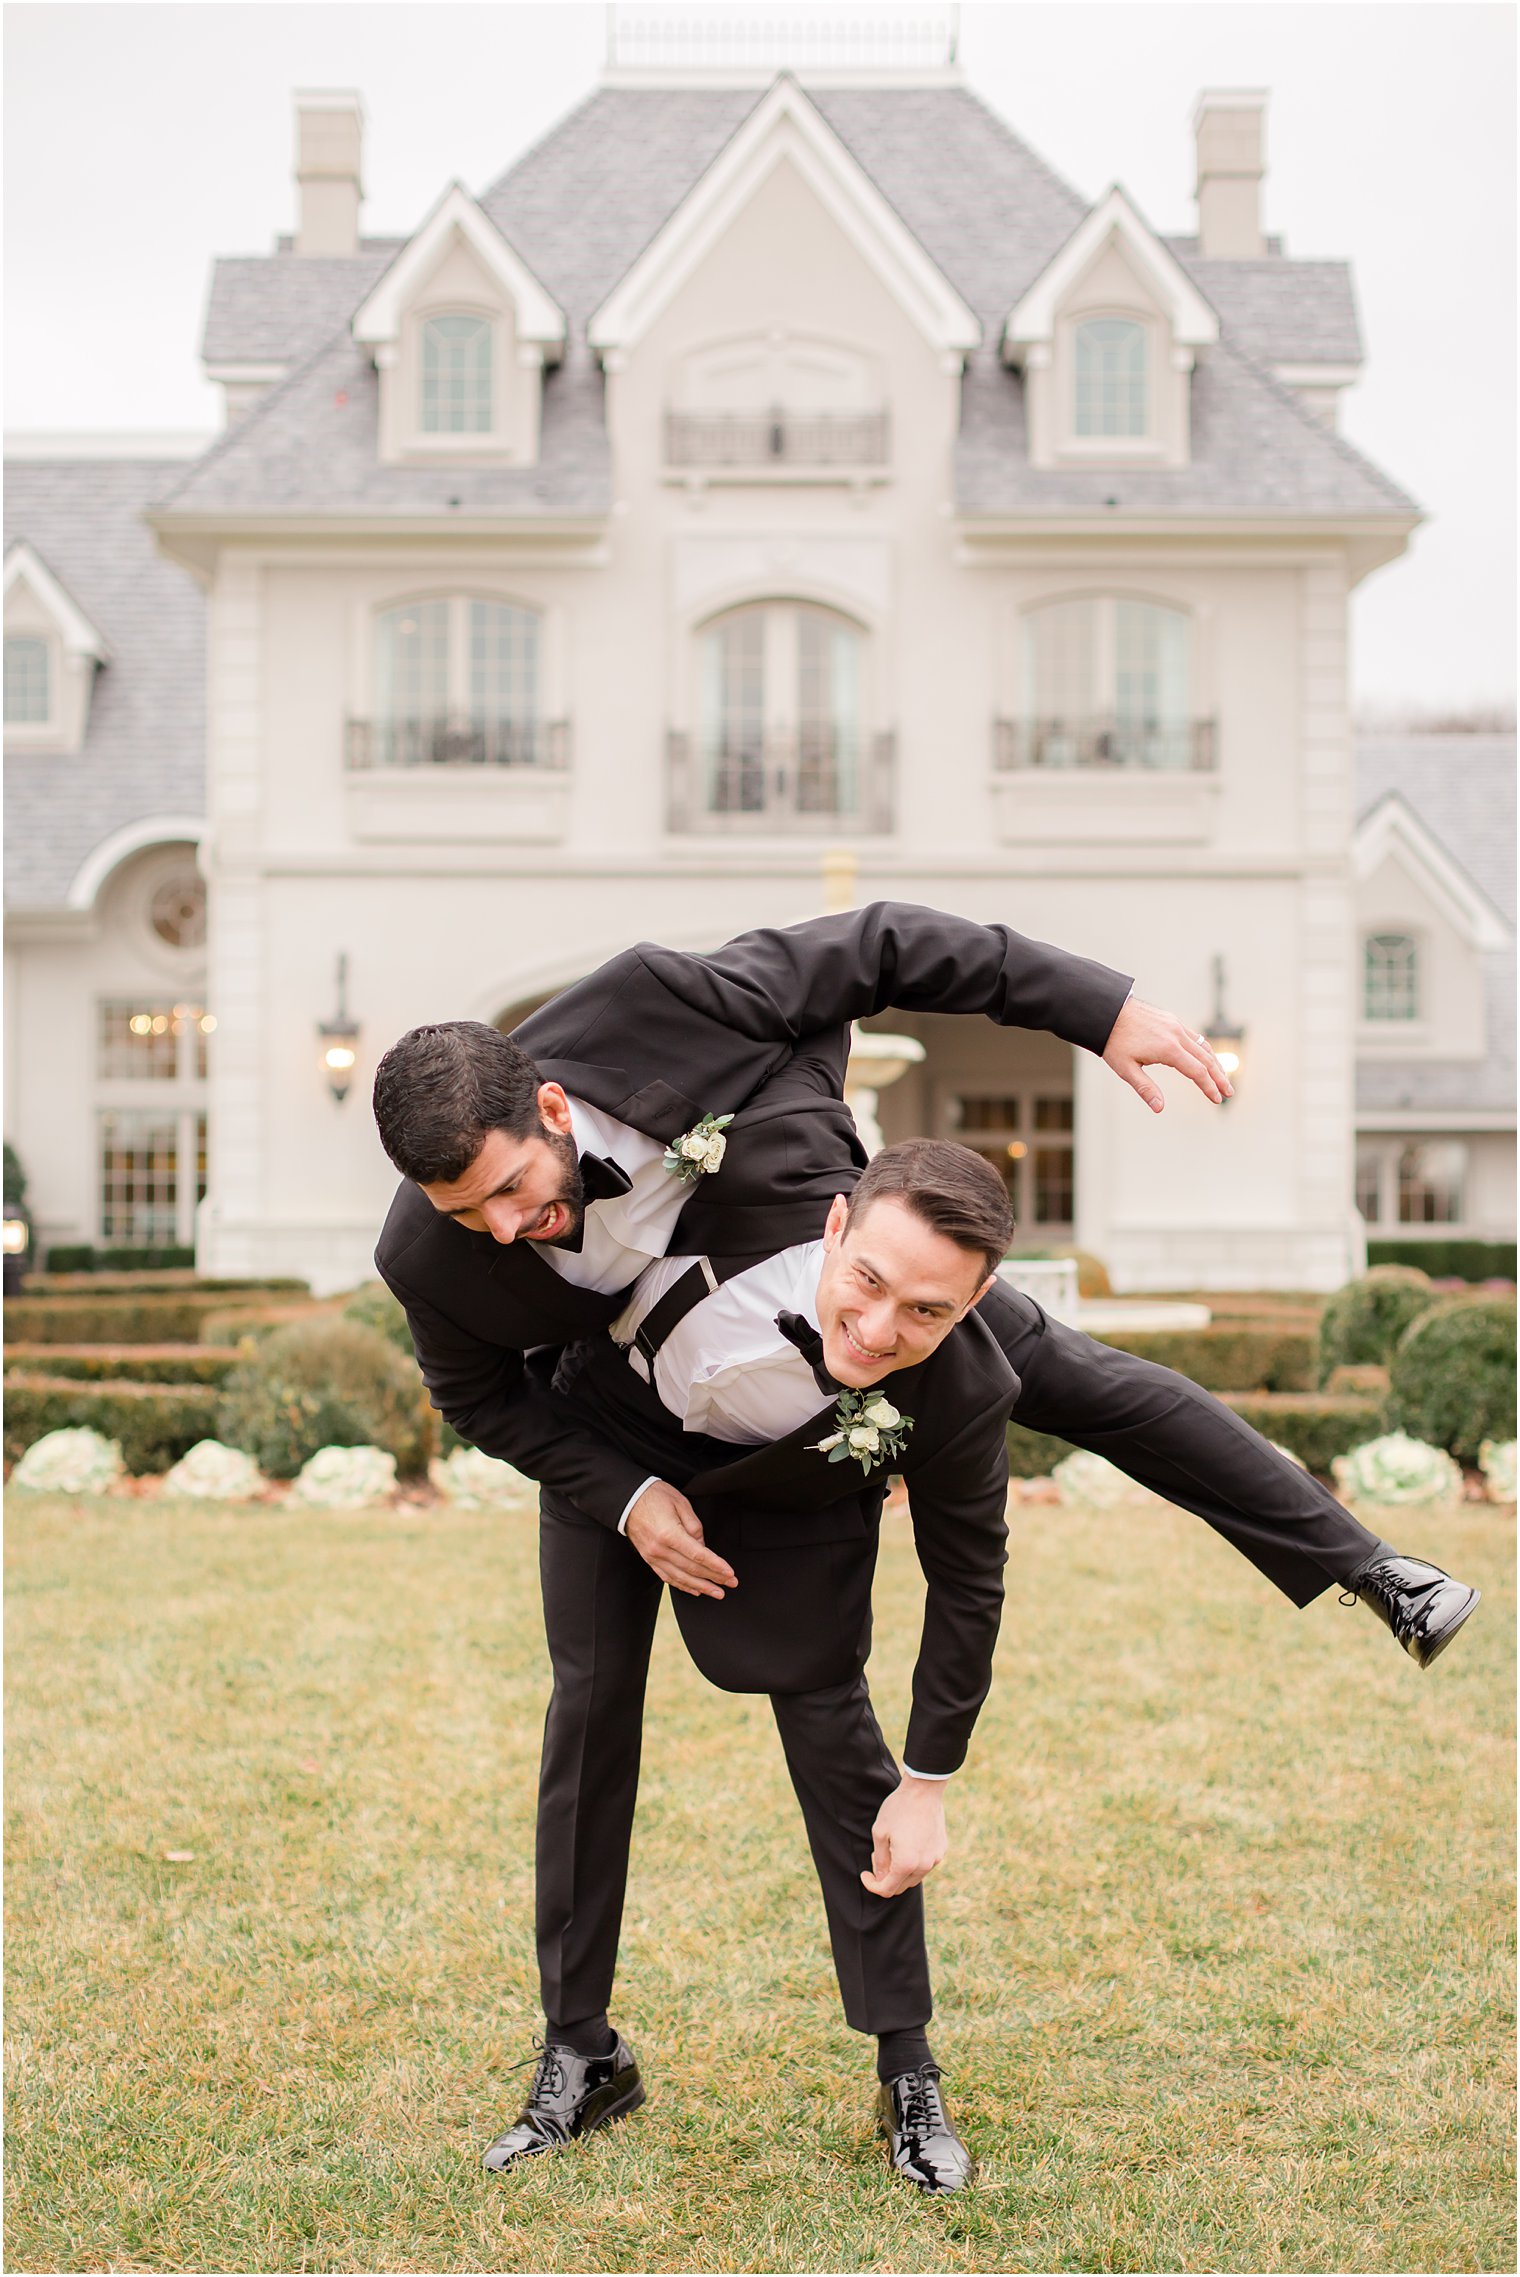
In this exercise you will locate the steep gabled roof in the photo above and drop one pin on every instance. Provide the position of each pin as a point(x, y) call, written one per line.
point(24, 565)
point(1114, 218)
point(144, 753)
point(539, 317)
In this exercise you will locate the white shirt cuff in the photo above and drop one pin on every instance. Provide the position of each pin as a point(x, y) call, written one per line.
point(910, 1773)
point(652, 1480)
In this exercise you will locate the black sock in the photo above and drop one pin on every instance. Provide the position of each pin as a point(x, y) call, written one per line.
point(588, 2036)
point(897, 2052)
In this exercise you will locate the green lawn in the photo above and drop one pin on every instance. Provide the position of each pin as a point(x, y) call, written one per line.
point(1222, 1943)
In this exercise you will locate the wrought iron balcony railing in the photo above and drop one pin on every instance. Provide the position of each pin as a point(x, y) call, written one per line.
point(814, 780)
point(1142, 746)
point(457, 739)
point(777, 438)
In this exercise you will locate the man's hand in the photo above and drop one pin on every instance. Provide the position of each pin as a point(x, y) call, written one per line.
point(667, 1533)
point(908, 1840)
point(1143, 1037)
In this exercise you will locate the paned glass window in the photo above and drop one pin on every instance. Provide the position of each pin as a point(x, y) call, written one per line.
point(1432, 1179)
point(1390, 977)
point(152, 1174)
point(458, 680)
point(456, 375)
point(1369, 1183)
point(28, 691)
point(152, 1042)
point(781, 712)
point(1108, 684)
point(1040, 1177)
point(1111, 377)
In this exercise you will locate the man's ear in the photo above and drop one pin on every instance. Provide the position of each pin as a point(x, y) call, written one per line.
point(989, 1283)
point(554, 1109)
point(833, 1226)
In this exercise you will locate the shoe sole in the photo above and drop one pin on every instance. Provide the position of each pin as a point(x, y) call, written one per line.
point(1474, 1597)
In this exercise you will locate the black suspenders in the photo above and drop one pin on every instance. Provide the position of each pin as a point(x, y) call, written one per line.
point(696, 1283)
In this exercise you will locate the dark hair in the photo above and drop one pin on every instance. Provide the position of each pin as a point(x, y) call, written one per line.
point(956, 1192)
point(442, 1090)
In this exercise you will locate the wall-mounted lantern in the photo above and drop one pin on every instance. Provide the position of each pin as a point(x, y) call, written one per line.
point(339, 1038)
point(1225, 1037)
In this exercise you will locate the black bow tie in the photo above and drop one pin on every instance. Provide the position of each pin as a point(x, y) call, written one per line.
point(800, 1331)
point(602, 1179)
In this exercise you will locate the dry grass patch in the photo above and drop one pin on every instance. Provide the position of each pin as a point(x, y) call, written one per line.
point(1222, 1947)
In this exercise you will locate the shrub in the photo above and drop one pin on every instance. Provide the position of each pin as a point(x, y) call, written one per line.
point(1086, 1477)
point(1453, 1375)
point(1496, 1460)
point(1226, 1359)
point(214, 1473)
point(1311, 1425)
point(134, 1317)
point(136, 1363)
point(1033, 1454)
point(1371, 1382)
point(162, 1285)
point(345, 1478)
point(473, 1481)
point(1363, 1321)
point(84, 1257)
point(154, 1424)
point(373, 1306)
point(1459, 1260)
point(325, 1382)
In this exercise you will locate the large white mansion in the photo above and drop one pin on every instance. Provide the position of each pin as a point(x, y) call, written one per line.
point(764, 466)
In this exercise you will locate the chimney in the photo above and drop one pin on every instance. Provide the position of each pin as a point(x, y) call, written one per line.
point(1230, 124)
point(329, 130)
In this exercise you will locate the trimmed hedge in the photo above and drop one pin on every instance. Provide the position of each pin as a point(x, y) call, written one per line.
point(1031, 1454)
point(1312, 1425)
point(84, 1257)
point(238, 1323)
point(1363, 1321)
point(1449, 1260)
point(1453, 1375)
point(131, 1363)
point(127, 1319)
point(1226, 1359)
point(154, 1423)
point(159, 1284)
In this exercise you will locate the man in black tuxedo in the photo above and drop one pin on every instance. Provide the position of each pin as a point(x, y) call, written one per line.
point(535, 1202)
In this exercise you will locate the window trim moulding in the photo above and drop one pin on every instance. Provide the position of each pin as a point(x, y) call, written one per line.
point(440, 806)
point(1081, 807)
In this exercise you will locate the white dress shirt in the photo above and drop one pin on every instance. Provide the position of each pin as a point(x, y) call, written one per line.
point(623, 1234)
point(726, 1369)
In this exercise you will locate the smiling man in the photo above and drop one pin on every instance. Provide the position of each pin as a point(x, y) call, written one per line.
point(749, 1382)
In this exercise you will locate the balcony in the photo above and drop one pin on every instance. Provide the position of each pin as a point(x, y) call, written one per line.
point(814, 781)
point(458, 780)
point(1145, 746)
point(456, 740)
point(767, 441)
point(1160, 781)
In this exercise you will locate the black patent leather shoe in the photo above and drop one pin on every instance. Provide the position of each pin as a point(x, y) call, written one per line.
point(1423, 1606)
point(571, 2095)
point(921, 2142)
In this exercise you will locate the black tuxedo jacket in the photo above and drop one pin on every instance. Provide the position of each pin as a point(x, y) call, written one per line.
point(657, 1038)
point(785, 1495)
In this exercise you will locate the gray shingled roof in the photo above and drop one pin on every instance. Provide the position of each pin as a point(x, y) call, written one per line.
point(1462, 787)
point(145, 750)
point(585, 201)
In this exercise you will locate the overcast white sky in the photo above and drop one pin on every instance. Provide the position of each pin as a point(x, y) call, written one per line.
point(143, 139)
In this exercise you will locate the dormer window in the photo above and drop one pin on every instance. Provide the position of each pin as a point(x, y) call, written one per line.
point(456, 375)
point(1112, 390)
point(28, 680)
point(1391, 977)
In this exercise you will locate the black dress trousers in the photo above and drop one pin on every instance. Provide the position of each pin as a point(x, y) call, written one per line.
point(600, 1605)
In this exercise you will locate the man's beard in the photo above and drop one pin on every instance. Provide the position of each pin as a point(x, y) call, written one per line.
point(572, 1192)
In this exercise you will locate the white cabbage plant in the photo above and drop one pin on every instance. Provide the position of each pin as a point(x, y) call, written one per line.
point(473, 1481)
point(76, 1461)
point(345, 1478)
point(1496, 1460)
point(1399, 1472)
point(214, 1473)
point(1086, 1477)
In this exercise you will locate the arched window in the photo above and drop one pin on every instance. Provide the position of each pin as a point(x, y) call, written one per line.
point(781, 713)
point(456, 375)
point(457, 681)
point(1390, 977)
point(28, 690)
point(1112, 389)
point(1108, 686)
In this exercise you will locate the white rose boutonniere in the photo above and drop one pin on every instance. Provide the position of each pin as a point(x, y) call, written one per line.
point(700, 1149)
point(868, 1430)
